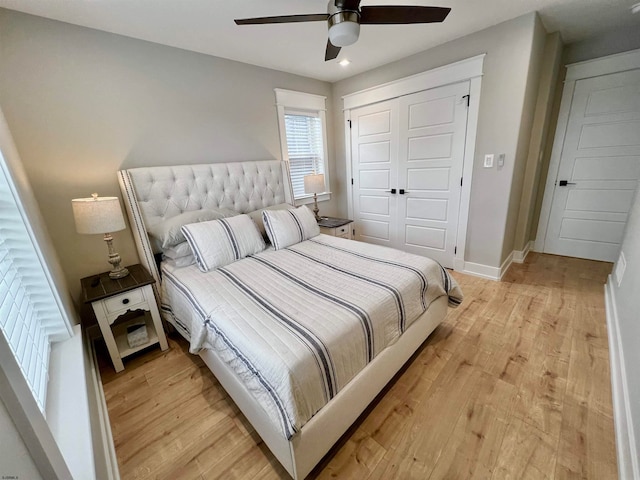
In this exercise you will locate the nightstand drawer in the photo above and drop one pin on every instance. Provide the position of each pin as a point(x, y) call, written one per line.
point(343, 231)
point(124, 301)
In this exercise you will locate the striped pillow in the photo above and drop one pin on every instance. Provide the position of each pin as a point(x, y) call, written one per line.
point(220, 242)
point(288, 227)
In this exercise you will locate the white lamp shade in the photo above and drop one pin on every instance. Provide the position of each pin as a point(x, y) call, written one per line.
point(97, 214)
point(314, 183)
point(344, 33)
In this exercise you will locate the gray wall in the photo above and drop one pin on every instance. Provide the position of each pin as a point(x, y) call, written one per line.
point(506, 72)
point(614, 41)
point(627, 300)
point(524, 138)
point(82, 104)
point(540, 131)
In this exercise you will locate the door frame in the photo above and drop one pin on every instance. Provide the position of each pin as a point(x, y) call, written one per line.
point(470, 70)
point(620, 62)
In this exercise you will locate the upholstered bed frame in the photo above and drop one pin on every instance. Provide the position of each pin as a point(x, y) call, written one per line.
point(155, 194)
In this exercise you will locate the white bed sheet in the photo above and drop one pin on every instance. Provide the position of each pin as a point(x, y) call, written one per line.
point(296, 325)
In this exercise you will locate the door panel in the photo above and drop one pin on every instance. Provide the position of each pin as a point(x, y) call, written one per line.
point(428, 147)
point(600, 160)
point(431, 151)
point(374, 152)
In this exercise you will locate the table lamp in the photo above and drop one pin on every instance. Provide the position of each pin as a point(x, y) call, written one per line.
point(314, 183)
point(101, 215)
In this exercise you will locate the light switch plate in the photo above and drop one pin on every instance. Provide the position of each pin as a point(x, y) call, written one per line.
point(488, 160)
point(501, 160)
point(621, 266)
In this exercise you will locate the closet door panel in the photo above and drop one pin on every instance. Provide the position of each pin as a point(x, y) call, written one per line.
point(374, 154)
point(432, 130)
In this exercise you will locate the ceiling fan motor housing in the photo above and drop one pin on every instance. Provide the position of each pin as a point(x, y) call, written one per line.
point(344, 26)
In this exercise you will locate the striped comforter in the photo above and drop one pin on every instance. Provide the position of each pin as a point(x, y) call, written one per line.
point(296, 325)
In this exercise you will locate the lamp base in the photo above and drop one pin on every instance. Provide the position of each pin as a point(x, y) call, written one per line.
point(315, 207)
point(114, 259)
point(120, 273)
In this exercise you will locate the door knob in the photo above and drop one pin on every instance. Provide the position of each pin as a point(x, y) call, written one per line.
point(403, 191)
point(393, 190)
point(564, 183)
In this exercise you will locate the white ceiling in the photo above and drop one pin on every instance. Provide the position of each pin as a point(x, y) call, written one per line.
point(207, 26)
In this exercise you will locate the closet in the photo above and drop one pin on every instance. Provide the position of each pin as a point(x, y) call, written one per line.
point(407, 157)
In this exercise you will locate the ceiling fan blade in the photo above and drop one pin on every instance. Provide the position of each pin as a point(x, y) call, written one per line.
point(332, 51)
point(347, 4)
point(313, 17)
point(401, 14)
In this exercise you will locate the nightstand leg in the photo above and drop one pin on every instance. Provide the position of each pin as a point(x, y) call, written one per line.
point(107, 334)
point(155, 315)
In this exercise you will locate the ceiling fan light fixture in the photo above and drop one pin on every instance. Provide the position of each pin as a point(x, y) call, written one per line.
point(344, 33)
point(344, 28)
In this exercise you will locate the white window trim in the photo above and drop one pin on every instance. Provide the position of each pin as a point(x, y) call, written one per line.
point(289, 99)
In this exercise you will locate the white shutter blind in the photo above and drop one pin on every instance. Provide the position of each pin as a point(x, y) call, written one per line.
point(305, 147)
point(29, 314)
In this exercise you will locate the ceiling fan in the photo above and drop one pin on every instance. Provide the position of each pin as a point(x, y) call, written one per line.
point(345, 17)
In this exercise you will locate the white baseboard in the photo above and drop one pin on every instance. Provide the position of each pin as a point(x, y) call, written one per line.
point(625, 438)
point(519, 256)
point(104, 450)
point(485, 271)
point(480, 270)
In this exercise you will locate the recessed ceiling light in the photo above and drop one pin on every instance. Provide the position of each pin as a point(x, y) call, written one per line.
point(635, 8)
point(344, 62)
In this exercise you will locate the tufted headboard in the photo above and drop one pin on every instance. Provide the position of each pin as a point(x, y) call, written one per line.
point(154, 194)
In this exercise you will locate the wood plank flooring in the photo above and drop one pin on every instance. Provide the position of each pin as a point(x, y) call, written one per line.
point(515, 384)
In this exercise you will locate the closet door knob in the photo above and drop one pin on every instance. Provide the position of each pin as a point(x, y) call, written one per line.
point(393, 190)
point(403, 191)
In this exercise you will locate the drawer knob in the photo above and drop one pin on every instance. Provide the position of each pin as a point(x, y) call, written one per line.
point(125, 301)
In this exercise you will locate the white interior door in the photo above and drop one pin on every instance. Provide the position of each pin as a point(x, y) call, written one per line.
point(599, 168)
point(374, 156)
point(432, 134)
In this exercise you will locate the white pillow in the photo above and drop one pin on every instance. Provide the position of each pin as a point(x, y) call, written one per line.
point(220, 242)
point(178, 251)
point(167, 233)
point(180, 261)
point(256, 216)
point(288, 227)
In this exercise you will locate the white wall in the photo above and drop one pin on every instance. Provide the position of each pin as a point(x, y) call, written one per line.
point(627, 303)
point(82, 104)
point(15, 459)
point(509, 48)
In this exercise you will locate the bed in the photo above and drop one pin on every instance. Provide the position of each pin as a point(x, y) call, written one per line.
point(302, 338)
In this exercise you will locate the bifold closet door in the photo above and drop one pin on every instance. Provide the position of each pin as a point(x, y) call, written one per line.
point(407, 156)
point(432, 131)
point(374, 157)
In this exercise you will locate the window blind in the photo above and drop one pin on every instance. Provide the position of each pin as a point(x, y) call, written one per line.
point(30, 317)
point(305, 147)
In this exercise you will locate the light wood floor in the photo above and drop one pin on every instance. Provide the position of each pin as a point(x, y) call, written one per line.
point(514, 384)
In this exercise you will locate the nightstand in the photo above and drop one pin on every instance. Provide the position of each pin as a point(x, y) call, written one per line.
point(337, 227)
point(121, 303)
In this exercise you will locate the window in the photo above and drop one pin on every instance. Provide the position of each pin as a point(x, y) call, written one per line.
point(303, 138)
point(30, 317)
